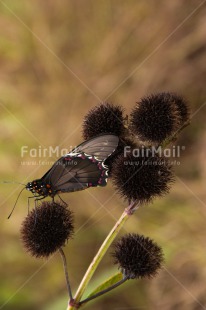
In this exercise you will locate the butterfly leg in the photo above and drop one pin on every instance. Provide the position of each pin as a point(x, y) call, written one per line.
point(62, 201)
point(28, 201)
point(32, 197)
point(35, 206)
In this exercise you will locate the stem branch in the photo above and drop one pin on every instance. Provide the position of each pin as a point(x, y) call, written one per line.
point(104, 291)
point(66, 272)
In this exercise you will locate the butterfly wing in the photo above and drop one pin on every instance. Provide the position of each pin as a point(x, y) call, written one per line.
point(101, 146)
point(83, 167)
point(76, 172)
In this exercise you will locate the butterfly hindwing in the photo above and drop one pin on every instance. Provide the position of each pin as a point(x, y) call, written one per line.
point(76, 172)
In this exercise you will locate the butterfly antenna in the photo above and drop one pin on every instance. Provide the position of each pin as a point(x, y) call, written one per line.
point(9, 182)
point(15, 203)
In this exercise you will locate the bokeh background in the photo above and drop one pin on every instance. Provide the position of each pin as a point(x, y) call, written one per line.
point(57, 60)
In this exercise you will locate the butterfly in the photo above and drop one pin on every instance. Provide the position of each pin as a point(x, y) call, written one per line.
point(82, 168)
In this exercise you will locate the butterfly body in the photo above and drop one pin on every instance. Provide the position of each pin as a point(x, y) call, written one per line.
point(40, 188)
point(80, 169)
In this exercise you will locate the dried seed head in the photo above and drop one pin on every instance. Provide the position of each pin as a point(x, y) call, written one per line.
point(137, 256)
point(46, 228)
point(141, 177)
point(157, 117)
point(104, 118)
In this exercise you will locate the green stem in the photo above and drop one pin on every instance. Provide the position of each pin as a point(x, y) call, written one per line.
point(74, 304)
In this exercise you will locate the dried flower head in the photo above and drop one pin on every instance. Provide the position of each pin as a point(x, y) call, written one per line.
point(46, 228)
point(137, 256)
point(159, 116)
point(182, 108)
point(141, 175)
point(104, 118)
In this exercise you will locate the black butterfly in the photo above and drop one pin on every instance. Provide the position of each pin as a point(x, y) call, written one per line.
point(82, 168)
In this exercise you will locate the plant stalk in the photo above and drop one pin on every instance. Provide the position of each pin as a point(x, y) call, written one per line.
point(75, 303)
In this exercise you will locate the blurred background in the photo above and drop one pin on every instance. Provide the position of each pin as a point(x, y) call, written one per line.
point(60, 58)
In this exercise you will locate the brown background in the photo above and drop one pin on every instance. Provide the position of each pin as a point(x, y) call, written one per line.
point(57, 60)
